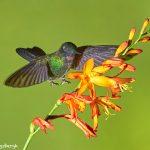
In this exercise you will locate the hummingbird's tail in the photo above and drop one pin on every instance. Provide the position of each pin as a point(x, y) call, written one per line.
point(35, 72)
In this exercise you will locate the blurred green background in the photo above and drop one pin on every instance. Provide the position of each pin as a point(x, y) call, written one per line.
point(47, 24)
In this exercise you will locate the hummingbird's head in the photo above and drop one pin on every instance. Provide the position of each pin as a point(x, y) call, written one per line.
point(68, 48)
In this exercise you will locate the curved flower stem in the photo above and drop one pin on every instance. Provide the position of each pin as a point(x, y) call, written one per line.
point(33, 133)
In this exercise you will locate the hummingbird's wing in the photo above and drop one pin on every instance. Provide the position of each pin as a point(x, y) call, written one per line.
point(30, 53)
point(33, 73)
point(99, 53)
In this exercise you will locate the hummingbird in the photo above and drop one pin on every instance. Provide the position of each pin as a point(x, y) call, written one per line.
point(50, 67)
point(42, 66)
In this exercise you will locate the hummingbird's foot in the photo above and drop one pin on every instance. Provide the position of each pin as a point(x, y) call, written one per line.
point(52, 83)
point(65, 81)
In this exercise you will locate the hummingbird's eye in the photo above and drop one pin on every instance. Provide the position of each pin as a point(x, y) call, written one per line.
point(64, 47)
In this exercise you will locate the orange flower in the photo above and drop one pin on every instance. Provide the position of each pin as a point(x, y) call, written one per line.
point(121, 85)
point(105, 103)
point(85, 77)
point(41, 123)
point(91, 76)
point(75, 102)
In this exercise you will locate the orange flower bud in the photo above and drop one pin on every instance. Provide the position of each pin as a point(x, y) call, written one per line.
point(121, 48)
point(146, 22)
point(131, 34)
point(145, 39)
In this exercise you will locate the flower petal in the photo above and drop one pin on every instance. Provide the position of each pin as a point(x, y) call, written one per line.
point(121, 85)
point(83, 87)
point(102, 69)
point(108, 103)
point(123, 80)
point(103, 81)
point(127, 67)
point(88, 66)
point(75, 96)
point(83, 98)
point(92, 90)
point(95, 114)
point(115, 91)
point(75, 75)
point(82, 125)
point(95, 119)
point(113, 62)
point(105, 108)
point(74, 102)
point(72, 108)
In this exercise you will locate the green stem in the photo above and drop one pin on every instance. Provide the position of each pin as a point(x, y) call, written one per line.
point(33, 133)
point(132, 44)
point(136, 41)
point(147, 32)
